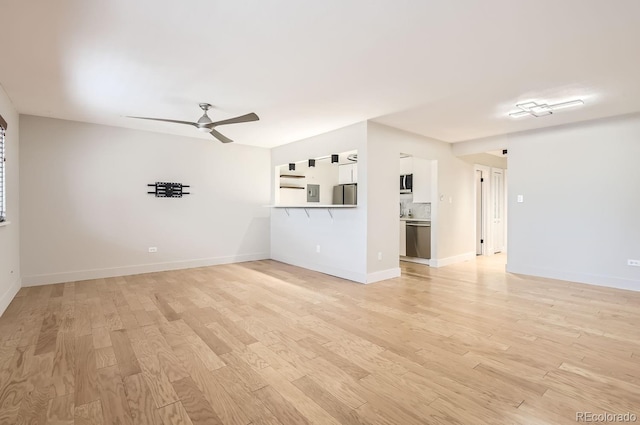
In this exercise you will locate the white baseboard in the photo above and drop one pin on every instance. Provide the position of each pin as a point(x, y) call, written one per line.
point(416, 260)
point(441, 262)
point(8, 295)
point(333, 271)
point(47, 279)
point(383, 275)
point(590, 279)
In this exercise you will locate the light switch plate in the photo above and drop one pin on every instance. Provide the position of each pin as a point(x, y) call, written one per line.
point(520, 198)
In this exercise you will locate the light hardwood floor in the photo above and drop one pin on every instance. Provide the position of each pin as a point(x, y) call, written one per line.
point(268, 343)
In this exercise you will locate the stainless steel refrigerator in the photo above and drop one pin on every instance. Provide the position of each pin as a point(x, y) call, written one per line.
point(345, 194)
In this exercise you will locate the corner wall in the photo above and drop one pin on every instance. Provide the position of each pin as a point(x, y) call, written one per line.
point(454, 221)
point(86, 212)
point(10, 232)
point(343, 238)
point(581, 188)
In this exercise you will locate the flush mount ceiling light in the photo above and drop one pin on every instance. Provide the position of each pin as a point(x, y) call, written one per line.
point(541, 109)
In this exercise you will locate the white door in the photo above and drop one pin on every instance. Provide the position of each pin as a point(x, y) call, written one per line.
point(479, 211)
point(497, 209)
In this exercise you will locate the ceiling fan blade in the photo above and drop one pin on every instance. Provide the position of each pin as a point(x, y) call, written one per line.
point(221, 137)
point(242, 118)
point(166, 120)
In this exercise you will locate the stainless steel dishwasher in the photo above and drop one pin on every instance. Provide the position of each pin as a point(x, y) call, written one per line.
point(419, 239)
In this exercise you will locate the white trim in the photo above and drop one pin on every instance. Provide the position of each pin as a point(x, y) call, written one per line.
point(383, 275)
point(441, 262)
point(46, 279)
point(590, 279)
point(9, 295)
point(424, 261)
point(341, 273)
point(4, 223)
point(486, 223)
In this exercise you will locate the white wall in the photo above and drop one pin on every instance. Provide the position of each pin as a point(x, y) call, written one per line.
point(86, 213)
point(453, 223)
point(343, 238)
point(10, 233)
point(581, 188)
point(486, 159)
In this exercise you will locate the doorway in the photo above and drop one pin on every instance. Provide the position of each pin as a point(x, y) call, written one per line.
point(480, 228)
point(497, 209)
point(490, 207)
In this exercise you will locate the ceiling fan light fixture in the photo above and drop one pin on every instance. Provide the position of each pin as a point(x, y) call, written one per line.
point(205, 125)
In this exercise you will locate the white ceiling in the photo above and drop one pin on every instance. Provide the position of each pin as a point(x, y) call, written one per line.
point(447, 69)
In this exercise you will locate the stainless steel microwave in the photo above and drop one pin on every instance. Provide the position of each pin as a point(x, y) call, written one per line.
point(406, 183)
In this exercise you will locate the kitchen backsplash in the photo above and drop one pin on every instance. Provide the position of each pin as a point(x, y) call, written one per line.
point(417, 210)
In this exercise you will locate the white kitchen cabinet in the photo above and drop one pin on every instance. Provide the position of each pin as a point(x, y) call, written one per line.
point(421, 180)
point(347, 173)
point(403, 237)
point(406, 165)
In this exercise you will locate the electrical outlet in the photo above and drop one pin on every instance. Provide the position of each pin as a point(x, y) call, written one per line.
point(379, 256)
point(153, 249)
point(635, 263)
point(318, 248)
point(520, 198)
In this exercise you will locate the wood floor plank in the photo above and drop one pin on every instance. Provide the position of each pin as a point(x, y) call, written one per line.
point(213, 391)
point(254, 409)
point(157, 381)
point(284, 411)
point(63, 373)
point(248, 376)
point(126, 358)
point(61, 410)
point(86, 372)
point(105, 357)
point(115, 406)
point(33, 408)
point(48, 333)
point(89, 414)
point(197, 407)
point(174, 414)
point(347, 366)
point(101, 337)
point(207, 335)
point(341, 412)
point(165, 308)
point(141, 404)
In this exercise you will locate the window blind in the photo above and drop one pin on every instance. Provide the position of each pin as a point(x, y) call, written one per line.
point(3, 127)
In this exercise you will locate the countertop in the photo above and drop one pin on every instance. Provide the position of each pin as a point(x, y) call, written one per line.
point(414, 219)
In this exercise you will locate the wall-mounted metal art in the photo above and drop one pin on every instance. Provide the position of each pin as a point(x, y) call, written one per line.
point(168, 190)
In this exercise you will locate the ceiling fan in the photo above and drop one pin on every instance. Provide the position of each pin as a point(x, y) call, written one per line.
point(205, 124)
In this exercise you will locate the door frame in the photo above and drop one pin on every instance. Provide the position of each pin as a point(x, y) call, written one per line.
point(487, 248)
point(495, 194)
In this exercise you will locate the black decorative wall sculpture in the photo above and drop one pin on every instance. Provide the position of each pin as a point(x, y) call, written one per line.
point(168, 190)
